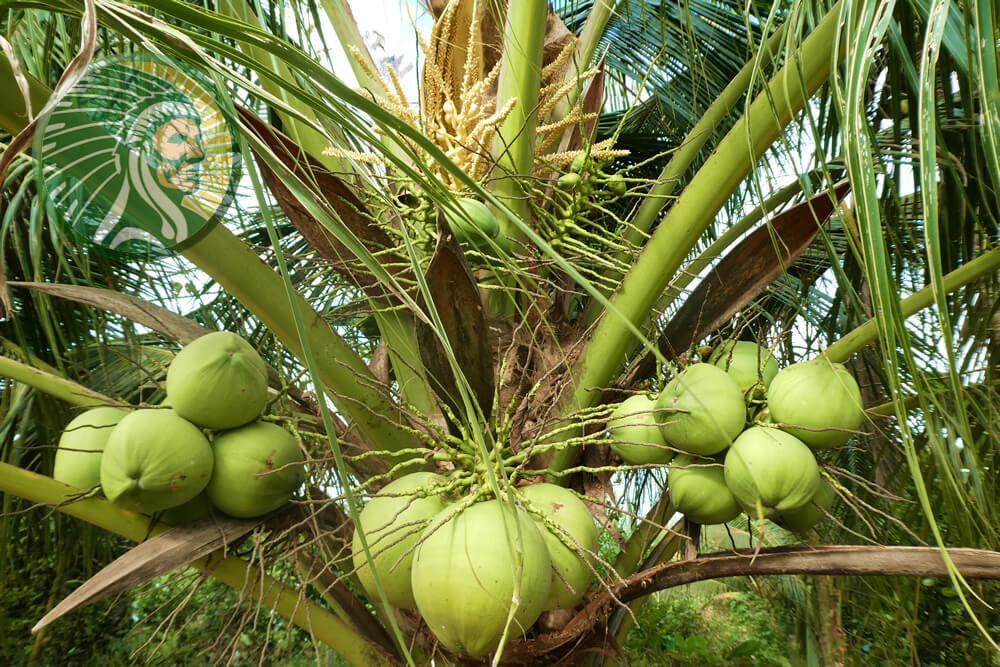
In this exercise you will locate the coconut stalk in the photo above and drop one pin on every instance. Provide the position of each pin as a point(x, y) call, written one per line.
point(981, 267)
point(820, 559)
point(586, 46)
point(67, 390)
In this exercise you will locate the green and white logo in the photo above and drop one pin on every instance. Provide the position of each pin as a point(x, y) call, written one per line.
point(138, 159)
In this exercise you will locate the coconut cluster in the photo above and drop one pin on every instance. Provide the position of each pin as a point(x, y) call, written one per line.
point(463, 563)
point(205, 448)
point(724, 463)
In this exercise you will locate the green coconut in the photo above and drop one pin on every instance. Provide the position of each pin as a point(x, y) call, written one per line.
point(78, 458)
point(218, 381)
point(747, 362)
point(634, 432)
point(466, 572)
point(810, 514)
point(473, 222)
point(772, 466)
point(257, 469)
point(571, 574)
point(698, 490)
point(392, 522)
point(701, 410)
point(197, 508)
point(817, 401)
point(154, 460)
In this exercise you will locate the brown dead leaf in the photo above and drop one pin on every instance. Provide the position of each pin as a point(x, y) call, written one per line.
point(743, 274)
point(456, 299)
point(167, 551)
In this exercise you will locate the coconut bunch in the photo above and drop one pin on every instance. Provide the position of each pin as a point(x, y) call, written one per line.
point(206, 447)
point(463, 557)
point(721, 462)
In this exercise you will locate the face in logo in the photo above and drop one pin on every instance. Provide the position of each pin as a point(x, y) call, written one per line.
point(138, 158)
point(177, 146)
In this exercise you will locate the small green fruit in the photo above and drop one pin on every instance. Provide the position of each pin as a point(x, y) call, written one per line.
point(579, 163)
point(568, 181)
point(467, 568)
point(747, 362)
point(78, 459)
point(772, 466)
point(698, 490)
point(257, 469)
point(218, 381)
point(571, 574)
point(616, 185)
point(634, 432)
point(392, 522)
point(810, 514)
point(154, 460)
point(473, 222)
point(701, 410)
point(820, 397)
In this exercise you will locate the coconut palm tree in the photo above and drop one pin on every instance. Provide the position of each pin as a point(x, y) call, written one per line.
point(583, 201)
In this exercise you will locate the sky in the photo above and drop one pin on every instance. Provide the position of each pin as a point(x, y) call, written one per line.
point(388, 29)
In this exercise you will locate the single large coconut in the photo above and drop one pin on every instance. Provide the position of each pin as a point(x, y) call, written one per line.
point(392, 522)
point(634, 432)
point(810, 514)
point(748, 363)
point(78, 458)
point(571, 573)
point(257, 469)
point(473, 567)
point(817, 401)
point(698, 490)
point(218, 381)
point(155, 460)
point(772, 466)
point(701, 410)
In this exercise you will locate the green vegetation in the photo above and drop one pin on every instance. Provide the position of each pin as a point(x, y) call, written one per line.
point(518, 277)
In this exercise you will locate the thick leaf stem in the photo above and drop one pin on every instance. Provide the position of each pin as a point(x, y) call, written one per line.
point(984, 265)
point(520, 79)
point(612, 339)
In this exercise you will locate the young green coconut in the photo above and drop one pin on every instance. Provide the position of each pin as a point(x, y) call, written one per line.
point(81, 445)
point(748, 363)
point(468, 568)
point(817, 401)
point(154, 460)
point(701, 410)
point(257, 469)
point(473, 222)
point(218, 381)
point(392, 522)
point(698, 490)
point(771, 466)
point(634, 432)
point(571, 574)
